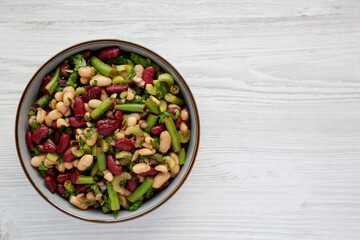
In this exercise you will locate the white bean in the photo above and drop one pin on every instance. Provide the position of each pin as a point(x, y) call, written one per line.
point(40, 116)
point(141, 168)
point(131, 121)
point(37, 160)
point(94, 103)
point(101, 81)
point(160, 179)
point(184, 115)
point(165, 142)
point(146, 151)
point(59, 96)
point(87, 71)
point(85, 162)
point(139, 69)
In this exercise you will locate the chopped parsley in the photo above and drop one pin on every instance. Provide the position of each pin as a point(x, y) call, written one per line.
point(135, 206)
point(42, 167)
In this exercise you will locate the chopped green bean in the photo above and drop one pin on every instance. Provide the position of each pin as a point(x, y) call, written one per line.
point(181, 156)
point(113, 197)
point(102, 67)
point(43, 101)
point(151, 105)
point(130, 107)
point(101, 109)
point(141, 190)
point(51, 86)
point(84, 180)
point(94, 169)
point(101, 159)
point(175, 140)
point(151, 121)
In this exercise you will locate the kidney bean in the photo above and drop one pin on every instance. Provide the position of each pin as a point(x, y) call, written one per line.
point(62, 70)
point(111, 165)
point(50, 183)
point(177, 122)
point(81, 188)
point(156, 130)
point(109, 53)
point(62, 83)
point(87, 87)
point(45, 81)
point(56, 137)
point(64, 143)
point(29, 141)
point(54, 124)
point(47, 147)
point(61, 178)
point(40, 134)
point(117, 88)
point(78, 107)
point(188, 123)
point(75, 175)
point(185, 108)
point(60, 188)
point(92, 93)
point(86, 54)
point(172, 110)
point(68, 155)
point(131, 185)
point(118, 116)
point(165, 185)
point(107, 127)
point(124, 145)
point(148, 74)
point(50, 172)
point(152, 172)
point(76, 123)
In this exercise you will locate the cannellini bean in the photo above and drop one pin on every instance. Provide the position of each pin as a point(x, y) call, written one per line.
point(91, 196)
point(131, 121)
point(61, 167)
point(84, 80)
point(108, 175)
point(69, 94)
point(62, 108)
point(174, 106)
point(140, 178)
point(141, 168)
point(120, 135)
point(138, 81)
point(48, 121)
point(54, 115)
point(37, 160)
point(147, 145)
point(85, 162)
point(160, 179)
point(109, 114)
point(103, 95)
point(94, 103)
point(183, 128)
point(135, 155)
point(40, 116)
point(68, 165)
point(78, 200)
point(87, 72)
point(175, 170)
point(161, 168)
point(123, 202)
point(101, 81)
point(165, 142)
point(59, 96)
point(136, 115)
point(143, 124)
point(139, 70)
point(87, 116)
point(62, 123)
point(49, 163)
point(31, 119)
point(87, 107)
point(75, 163)
point(146, 151)
point(184, 115)
point(148, 139)
point(130, 95)
point(93, 139)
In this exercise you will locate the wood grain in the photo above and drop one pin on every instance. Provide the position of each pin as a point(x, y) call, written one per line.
point(277, 85)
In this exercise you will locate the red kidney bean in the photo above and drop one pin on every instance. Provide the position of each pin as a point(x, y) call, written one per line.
point(153, 161)
point(62, 83)
point(81, 188)
point(29, 141)
point(156, 130)
point(188, 123)
point(131, 185)
point(185, 108)
point(172, 110)
point(76, 123)
point(101, 185)
point(152, 172)
point(165, 185)
point(50, 183)
point(78, 107)
point(40, 134)
point(62, 70)
point(109, 53)
point(45, 81)
point(56, 137)
point(92, 93)
point(54, 125)
point(118, 117)
point(87, 87)
point(117, 88)
point(177, 122)
point(60, 188)
point(148, 74)
point(47, 147)
point(86, 54)
point(50, 172)
point(111, 165)
point(68, 155)
point(61, 178)
point(64, 143)
point(107, 127)
point(75, 175)
point(124, 145)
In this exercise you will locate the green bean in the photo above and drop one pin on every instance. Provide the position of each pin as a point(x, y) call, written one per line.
point(43, 101)
point(113, 197)
point(94, 150)
point(102, 67)
point(174, 99)
point(141, 190)
point(105, 209)
point(151, 121)
point(175, 139)
point(181, 156)
point(51, 86)
point(104, 105)
point(101, 159)
point(130, 107)
point(84, 180)
point(94, 169)
point(34, 125)
point(151, 105)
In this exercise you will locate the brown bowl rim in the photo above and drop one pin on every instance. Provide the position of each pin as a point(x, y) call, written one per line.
point(159, 58)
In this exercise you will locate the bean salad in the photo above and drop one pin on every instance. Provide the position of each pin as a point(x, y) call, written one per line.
point(109, 130)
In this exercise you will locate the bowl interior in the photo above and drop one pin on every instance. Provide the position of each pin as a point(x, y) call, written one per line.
point(30, 95)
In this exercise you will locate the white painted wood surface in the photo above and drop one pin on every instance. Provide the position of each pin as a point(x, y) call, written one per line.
point(278, 88)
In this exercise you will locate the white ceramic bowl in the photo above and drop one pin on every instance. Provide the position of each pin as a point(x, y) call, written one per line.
point(29, 96)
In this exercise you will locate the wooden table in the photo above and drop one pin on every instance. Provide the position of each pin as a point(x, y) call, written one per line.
point(277, 84)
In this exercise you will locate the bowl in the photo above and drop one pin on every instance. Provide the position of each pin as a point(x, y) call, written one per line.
point(21, 126)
